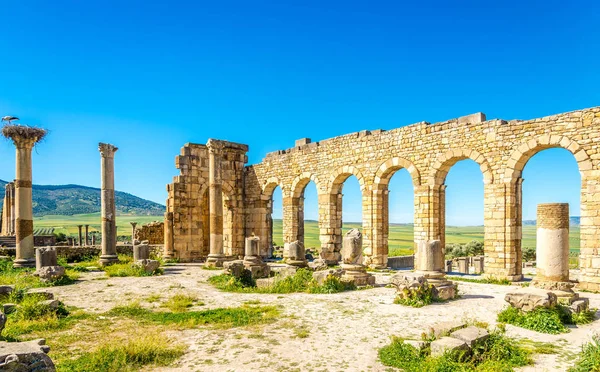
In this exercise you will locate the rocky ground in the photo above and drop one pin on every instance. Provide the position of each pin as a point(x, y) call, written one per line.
point(337, 332)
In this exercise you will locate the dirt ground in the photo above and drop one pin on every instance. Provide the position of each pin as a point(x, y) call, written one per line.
point(337, 332)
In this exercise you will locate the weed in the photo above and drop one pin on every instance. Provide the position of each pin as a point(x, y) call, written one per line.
point(589, 359)
point(179, 303)
point(420, 297)
point(488, 280)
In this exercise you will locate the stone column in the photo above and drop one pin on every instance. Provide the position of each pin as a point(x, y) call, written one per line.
point(215, 197)
point(168, 226)
point(352, 257)
point(252, 259)
point(93, 239)
point(8, 210)
point(552, 248)
point(133, 225)
point(80, 241)
point(429, 262)
point(25, 255)
point(87, 235)
point(109, 228)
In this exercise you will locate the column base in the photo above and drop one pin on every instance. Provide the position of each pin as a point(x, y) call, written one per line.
point(24, 262)
point(108, 259)
point(512, 278)
point(215, 260)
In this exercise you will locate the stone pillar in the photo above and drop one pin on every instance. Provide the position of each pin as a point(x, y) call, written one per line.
point(109, 228)
point(8, 211)
point(87, 235)
point(252, 259)
point(93, 239)
point(352, 257)
point(430, 262)
point(330, 226)
point(141, 252)
point(296, 254)
point(378, 217)
point(45, 256)
point(552, 248)
point(215, 197)
point(169, 252)
point(25, 255)
point(133, 225)
point(463, 266)
point(80, 241)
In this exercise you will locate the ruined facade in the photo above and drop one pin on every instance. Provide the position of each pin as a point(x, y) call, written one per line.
point(153, 232)
point(427, 151)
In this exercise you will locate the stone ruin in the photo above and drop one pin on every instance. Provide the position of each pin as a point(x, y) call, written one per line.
point(217, 200)
point(46, 264)
point(429, 272)
point(551, 285)
point(352, 259)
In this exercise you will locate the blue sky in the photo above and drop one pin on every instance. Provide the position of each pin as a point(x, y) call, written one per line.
point(151, 76)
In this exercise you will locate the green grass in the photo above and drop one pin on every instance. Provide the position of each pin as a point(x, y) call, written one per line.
point(141, 351)
point(401, 237)
point(545, 320)
point(222, 317)
point(68, 224)
point(302, 281)
point(589, 359)
point(482, 280)
point(498, 353)
point(180, 303)
point(423, 296)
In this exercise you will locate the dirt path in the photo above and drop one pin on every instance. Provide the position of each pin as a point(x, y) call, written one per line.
point(338, 332)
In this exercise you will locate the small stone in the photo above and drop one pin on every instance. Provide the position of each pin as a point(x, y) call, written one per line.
point(408, 280)
point(318, 264)
point(9, 308)
point(2, 322)
point(149, 266)
point(50, 273)
point(528, 299)
point(471, 335)
point(445, 328)
point(419, 345)
point(580, 305)
point(320, 276)
point(52, 304)
point(47, 295)
point(265, 282)
point(447, 344)
point(234, 268)
point(6, 289)
point(25, 356)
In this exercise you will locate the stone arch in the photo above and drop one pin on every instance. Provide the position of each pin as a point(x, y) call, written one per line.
point(445, 161)
point(341, 175)
point(270, 185)
point(387, 169)
point(519, 158)
point(300, 182)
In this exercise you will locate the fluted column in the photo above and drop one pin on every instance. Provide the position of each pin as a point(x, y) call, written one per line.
point(215, 203)
point(169, 250)
point(133, 225)
point(108, 209)
point(80, 235)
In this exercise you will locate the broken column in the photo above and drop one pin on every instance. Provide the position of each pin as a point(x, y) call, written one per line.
point(296, 254)
point(133, 225)
point(252, 260)
point(430, 262)
point(352, 257)
point(215, 201)
point(24, 138)
point(87, 235)
point(108, 209)
point(8, 211)
point(168, 236)
point(141, 251)
point(80, 241)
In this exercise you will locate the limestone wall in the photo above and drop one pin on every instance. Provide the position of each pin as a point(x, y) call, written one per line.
point(427, 151)
point(153, 232)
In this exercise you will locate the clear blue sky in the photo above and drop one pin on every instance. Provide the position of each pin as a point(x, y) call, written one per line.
point(150, 76)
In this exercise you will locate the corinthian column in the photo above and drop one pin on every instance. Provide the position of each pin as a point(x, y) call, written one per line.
point(109, 227)
point(215, 204)
point(24, 139)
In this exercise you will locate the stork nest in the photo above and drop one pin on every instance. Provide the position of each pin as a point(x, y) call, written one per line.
point(12, 131)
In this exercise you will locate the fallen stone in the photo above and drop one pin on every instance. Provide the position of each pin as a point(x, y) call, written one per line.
point(149, 266)
point(234, 268)
point(6, 289)
point(318, 265)
point(8, 308)
point(265, 282)
point(581, 305)
point(409, 280)
point(448, 344)
point(25, 356)
point(50, 273)
point(528, 299)
point(320, 276)
point(471, 335)
point(258, 271)
point(2, 321)
point(445, 328)
point(445, 291)
point(52, 304)
point(286, 271)
point(47, 295)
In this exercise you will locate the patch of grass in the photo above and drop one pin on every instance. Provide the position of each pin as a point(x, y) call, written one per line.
point(146, 350)
point(180, 303)
point(153, 298)
point(490, 280)
point(128, 269)
point(301, 332)
point(540, 320)
point(589, 359)
point(423, 296)
point(497, 353)
point(301, 281)
point(221, 317)
point(211, 268)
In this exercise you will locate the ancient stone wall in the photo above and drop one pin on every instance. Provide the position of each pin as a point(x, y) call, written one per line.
point(153, 232)
point(427, 151)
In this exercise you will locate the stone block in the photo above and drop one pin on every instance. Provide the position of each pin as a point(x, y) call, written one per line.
point(45, 256)
point(8, 308)
point(265, 282)
point(50, 273)
point(410, 280)
point(446, 291)
point(149, 266)
point(528, 299)
point(445, 328)
point(583, 304)
point(471, 335)
point(26, 356)
point(52, 304)
point(5, 290)
point(235, 268)
point(259, 271)
point(141, 252)
point(419, 345)
point(302, 142)
point(320, 276)
point(42, 293)
point(448, 345)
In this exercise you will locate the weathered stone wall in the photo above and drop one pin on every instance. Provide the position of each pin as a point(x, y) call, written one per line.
point(427, 151)
point(72, 254)
point(153, 232)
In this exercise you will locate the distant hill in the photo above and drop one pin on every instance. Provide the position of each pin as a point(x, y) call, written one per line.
point(573, 221)
point(75, 199)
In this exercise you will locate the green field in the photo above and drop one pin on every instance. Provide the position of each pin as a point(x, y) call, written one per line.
point(68, 224)
point(401, 236)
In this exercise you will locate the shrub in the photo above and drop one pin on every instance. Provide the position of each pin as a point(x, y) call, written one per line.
point(528, 254)
point(589, 359)
point(423, 296)
point(540, 320)
point(331, 284)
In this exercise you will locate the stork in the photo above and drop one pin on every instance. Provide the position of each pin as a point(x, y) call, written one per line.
point(9, 119)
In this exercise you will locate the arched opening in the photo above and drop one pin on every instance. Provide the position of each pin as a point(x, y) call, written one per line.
point(462, 216)
point(550, 176)
point(275, 217)
point(351, 213)
point(400, 210)
point(310, 214)
point(300, 216)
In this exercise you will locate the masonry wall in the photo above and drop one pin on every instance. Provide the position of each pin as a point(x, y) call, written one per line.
point(427, 151)
point(153, 232)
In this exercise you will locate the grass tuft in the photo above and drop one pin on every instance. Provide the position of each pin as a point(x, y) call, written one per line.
point(589, 359)
point(180, 303)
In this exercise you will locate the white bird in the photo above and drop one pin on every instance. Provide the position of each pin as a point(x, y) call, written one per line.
point(9, 119)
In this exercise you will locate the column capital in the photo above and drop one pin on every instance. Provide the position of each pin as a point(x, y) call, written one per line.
point(134, 224)
point(214, 146)
point(107, 150)
point(24, 137)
